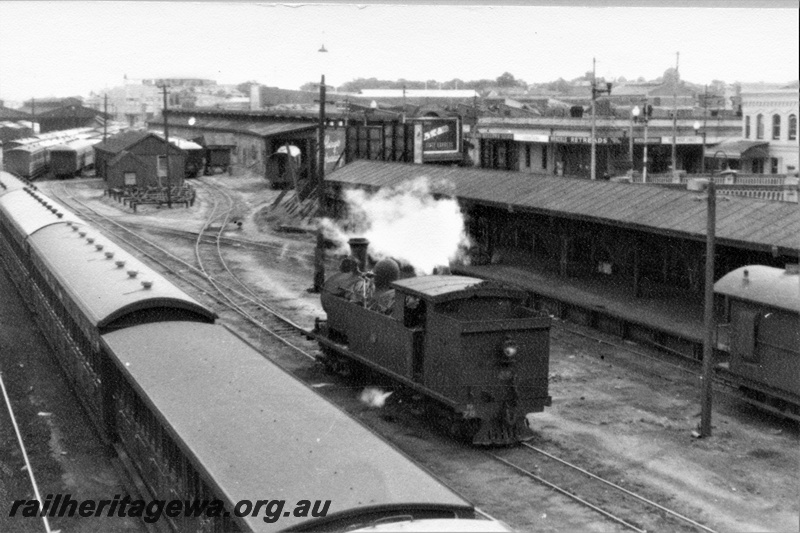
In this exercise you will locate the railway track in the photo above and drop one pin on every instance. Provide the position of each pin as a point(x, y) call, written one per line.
point(205, 281)
point(617, 504)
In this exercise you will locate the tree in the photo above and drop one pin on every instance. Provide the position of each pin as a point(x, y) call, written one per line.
point(717, 87)
point(244, 88)
point(506, 80)
point(671, 76)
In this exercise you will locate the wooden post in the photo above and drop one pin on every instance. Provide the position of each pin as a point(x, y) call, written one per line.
point(708, 340)
point(319, 252)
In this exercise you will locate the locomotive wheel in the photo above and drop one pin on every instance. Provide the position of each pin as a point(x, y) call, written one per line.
point(464, 430)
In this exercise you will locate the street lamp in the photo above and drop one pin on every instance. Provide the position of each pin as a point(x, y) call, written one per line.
point(648, 111)
point(698, 130)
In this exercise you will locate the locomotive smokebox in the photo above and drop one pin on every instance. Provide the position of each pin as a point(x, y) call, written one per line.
point(358, 249)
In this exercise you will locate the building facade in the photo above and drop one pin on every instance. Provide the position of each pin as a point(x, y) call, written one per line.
point(770, 115)
point(561, 146)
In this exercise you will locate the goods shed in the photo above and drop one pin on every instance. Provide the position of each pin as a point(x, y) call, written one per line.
point(113, 160)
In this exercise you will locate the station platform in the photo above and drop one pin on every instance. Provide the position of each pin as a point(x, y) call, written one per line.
point(671, 321)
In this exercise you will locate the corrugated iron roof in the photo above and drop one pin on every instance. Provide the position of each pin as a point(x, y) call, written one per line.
point(743, 222)
point(253, 127)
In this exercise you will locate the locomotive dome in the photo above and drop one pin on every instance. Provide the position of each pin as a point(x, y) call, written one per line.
point(386, 271)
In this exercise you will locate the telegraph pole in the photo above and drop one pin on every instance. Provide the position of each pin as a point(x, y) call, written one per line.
point(675, 115)
point(105, 117)
point(319, 252)
point(593, 159)
point(166, 138)
point(708, 347)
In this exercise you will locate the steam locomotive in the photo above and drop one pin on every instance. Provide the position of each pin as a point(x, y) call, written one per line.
point(467, 345)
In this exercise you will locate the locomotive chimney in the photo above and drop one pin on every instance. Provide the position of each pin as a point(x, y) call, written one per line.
point(358, 249)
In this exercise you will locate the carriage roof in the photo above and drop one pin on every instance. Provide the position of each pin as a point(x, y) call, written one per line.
point(765, 285)
point(104, 291)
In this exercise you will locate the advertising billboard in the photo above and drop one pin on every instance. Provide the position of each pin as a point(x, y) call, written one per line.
point(441, 139)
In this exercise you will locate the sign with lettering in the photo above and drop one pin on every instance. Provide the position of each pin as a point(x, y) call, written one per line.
point(441, 135)
point(334, 146)
point(584, 140)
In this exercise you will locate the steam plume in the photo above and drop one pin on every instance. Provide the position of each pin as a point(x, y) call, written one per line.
point(406, 223)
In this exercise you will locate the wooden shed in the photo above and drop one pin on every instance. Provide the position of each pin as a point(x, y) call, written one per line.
point(150, 151)
point(128, 170)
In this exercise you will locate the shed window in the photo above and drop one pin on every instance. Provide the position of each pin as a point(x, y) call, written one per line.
point(162, 166)
point(130, 178)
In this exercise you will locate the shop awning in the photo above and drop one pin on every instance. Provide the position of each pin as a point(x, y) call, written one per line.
point(738, 149)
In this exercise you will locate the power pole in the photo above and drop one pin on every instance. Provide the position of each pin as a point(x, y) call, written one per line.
point(595, 92)
point(675, 115)
point(319, 252)
point(705, 130)
point(708, 347)
point(105, 117)
point(166, 139)
point(593, 157)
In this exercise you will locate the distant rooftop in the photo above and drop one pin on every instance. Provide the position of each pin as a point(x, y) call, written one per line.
point(417, 93)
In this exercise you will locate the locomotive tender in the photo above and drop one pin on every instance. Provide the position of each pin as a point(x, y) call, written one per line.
point(198, 412)
point(468, 345)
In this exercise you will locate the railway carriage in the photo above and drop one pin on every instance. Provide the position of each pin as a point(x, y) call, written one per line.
point(762, 308)
point(31, 160)
point(87, 286)
point(71, 158)
point(23, 211)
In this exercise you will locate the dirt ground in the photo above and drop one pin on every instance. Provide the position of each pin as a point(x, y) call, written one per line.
point(623, 415)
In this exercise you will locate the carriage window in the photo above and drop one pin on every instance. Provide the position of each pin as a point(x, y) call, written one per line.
point(777, 330)
point(130, 178)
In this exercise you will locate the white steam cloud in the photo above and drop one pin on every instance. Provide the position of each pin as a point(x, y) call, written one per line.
point(406, 223)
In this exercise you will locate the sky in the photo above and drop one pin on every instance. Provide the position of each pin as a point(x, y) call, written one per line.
point(71, 48)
